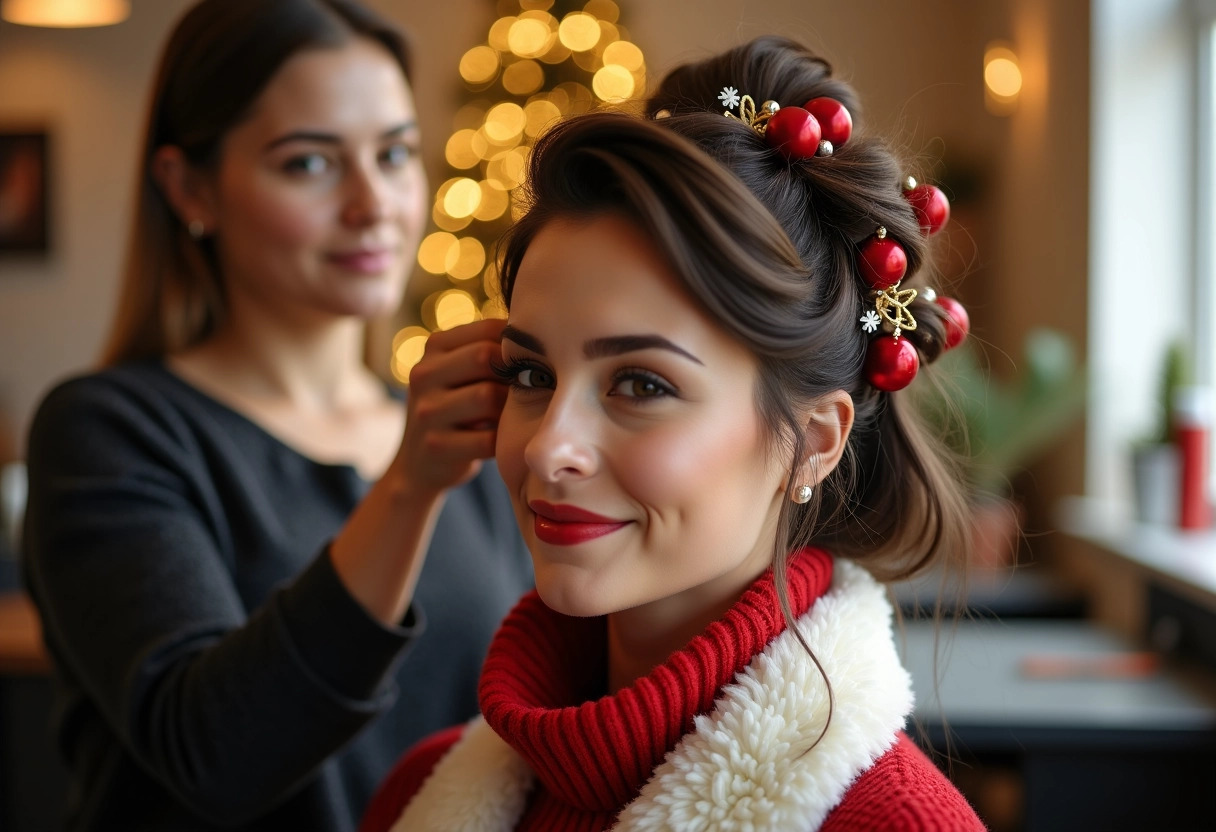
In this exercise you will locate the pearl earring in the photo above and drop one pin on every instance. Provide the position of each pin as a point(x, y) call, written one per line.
point(802, 494)
point(196, 229)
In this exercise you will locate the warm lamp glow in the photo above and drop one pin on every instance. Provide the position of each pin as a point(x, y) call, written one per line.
point(1002, 78)
point(65, 14)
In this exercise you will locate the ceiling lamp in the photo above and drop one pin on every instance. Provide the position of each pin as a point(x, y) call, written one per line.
point(65, 14)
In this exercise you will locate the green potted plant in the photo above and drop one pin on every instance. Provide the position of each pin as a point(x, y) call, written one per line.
point(1000, 427)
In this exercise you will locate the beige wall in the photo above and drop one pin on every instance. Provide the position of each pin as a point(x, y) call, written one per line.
point(916, 65)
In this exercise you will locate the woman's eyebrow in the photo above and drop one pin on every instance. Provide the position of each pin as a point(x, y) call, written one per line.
point(602, 347)
point(621, 344)
point(528, 342)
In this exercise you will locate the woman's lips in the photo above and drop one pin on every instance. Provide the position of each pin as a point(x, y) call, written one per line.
point(564, 525)
point(364, 262)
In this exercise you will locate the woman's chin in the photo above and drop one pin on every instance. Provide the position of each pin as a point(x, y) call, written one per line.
point(567, 600)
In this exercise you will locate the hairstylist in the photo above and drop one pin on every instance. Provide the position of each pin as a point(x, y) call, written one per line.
point(262, 574)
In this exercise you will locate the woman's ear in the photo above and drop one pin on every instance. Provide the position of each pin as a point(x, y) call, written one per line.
point(187, 189)
point(827, 424)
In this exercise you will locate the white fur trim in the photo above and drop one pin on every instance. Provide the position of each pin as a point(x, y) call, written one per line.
point(743, 765)
point(480, 785)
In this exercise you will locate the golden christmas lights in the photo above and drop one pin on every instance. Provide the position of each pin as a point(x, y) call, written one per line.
point(543, 60)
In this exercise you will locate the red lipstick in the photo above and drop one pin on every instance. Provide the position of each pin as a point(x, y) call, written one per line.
point(563, 525)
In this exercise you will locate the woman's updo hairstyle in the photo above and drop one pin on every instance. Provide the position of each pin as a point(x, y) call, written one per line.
point(769, 247)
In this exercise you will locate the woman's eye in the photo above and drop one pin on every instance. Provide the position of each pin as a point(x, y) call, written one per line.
point(640, 387)
point(533, 377)
point(309, 164)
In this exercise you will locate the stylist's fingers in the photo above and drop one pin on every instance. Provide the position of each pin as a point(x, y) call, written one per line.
point(458, 356)
point(470, 406)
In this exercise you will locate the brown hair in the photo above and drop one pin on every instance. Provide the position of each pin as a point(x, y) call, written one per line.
point(220, 57)
point(769, 248)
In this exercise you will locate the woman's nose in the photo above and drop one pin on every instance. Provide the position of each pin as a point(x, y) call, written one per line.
point(563, 446)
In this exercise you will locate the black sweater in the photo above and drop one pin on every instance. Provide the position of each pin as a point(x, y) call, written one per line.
point(211, 669)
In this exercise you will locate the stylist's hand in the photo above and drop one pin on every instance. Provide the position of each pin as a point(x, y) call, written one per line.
point(454, 404)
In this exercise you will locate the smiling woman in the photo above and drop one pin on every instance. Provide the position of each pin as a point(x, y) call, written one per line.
point(608, 417)
point(261, 572)
point(701, 451)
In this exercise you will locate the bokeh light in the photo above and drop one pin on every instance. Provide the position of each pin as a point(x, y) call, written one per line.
point(470, 260)
point(505, 122)
point(447, 222)
point(523, 77)
point(508, 169)
point(540, 114)
point(613, 84)
point(409, 344)
point(438, 252)
point(494, 202)
point(500, 33)
point(479, 65)
point(462, 199)
point(455, 307)
point(459, 151)
point(578, 98)
point(604, 10)
point(625, 54)
point(529, 37)
point(579, 31)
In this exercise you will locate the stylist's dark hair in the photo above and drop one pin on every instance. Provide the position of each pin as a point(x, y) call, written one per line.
point(769, 248)
point(220, 57)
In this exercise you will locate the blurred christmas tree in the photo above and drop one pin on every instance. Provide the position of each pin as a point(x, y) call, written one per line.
point(543, 60)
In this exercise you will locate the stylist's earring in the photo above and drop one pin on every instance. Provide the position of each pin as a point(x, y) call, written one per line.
point(196, 229)
point(802, 494)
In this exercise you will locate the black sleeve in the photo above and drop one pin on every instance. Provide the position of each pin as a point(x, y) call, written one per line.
point(230, 709)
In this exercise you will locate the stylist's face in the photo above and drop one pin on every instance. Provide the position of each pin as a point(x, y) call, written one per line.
point(319, 196)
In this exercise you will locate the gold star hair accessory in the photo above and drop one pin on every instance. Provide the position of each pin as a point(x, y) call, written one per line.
point(892, 304)
point(748, 114)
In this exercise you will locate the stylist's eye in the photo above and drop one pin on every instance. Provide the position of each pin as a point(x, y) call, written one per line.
point(397, 155)
point(307, 164)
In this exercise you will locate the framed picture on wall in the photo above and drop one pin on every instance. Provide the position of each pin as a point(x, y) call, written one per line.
point(24, 214)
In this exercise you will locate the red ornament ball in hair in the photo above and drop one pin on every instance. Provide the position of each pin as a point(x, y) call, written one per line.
point(931, 207)
point(883, 262)
point(891, 363)
point(793, 131)
point(958, 322)
point(834, 120)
